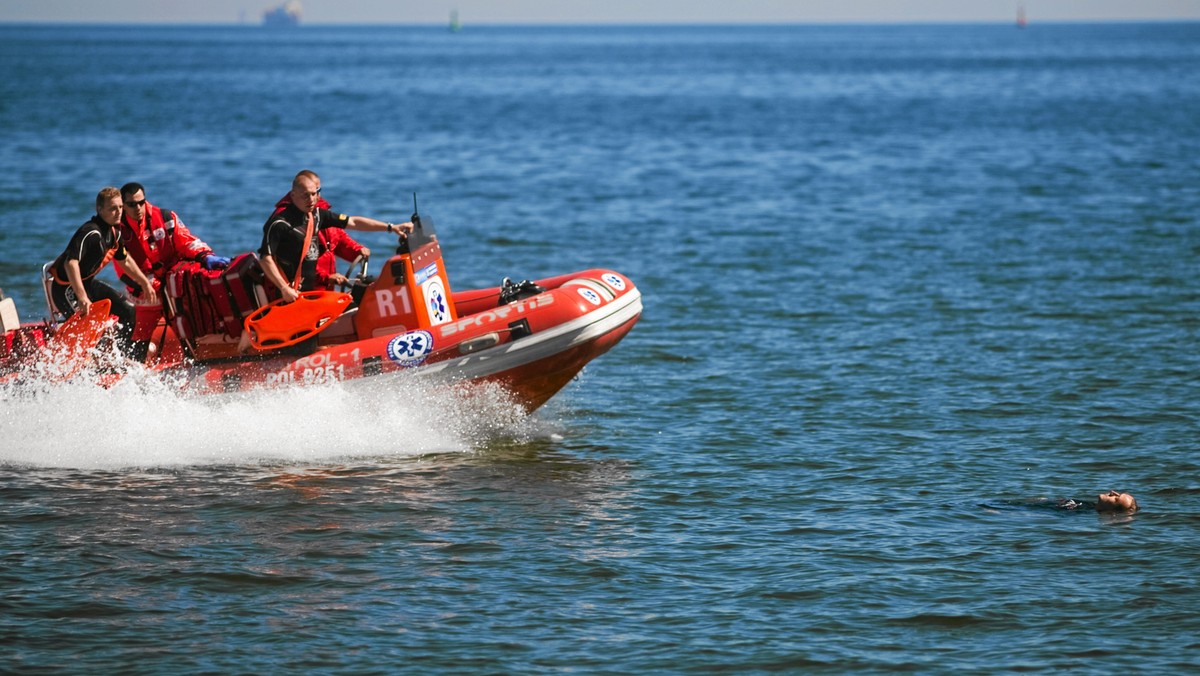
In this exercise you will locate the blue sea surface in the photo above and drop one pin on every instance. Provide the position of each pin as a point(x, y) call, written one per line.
point(902, 285)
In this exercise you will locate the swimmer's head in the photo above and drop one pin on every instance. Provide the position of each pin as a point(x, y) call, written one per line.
point(1113, 501)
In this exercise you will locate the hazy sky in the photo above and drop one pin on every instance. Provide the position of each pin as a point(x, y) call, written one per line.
point(597, 11)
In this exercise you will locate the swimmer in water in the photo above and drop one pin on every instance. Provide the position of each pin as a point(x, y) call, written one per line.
point(1112, 501)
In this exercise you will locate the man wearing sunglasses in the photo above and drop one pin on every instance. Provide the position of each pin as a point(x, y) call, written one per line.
point(157, 241)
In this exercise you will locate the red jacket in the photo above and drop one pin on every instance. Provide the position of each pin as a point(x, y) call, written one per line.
point(334, 242)
point(160, 242)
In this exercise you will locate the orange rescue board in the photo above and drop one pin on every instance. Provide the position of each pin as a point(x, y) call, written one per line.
point(80, 333)
point(282, 324)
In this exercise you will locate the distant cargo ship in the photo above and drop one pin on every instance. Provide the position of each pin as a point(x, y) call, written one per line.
point(287, 14)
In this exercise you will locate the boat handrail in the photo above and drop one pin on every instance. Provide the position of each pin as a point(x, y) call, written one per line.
point(56, 315)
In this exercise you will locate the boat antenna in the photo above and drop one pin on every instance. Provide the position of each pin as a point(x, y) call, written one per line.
point(416, 217)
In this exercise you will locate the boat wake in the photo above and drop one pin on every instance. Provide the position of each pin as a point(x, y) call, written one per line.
point(144, 420)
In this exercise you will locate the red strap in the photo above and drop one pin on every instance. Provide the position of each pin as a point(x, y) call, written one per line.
point(308, 232)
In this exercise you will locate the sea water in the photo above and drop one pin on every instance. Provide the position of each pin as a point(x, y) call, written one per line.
point(900, 283)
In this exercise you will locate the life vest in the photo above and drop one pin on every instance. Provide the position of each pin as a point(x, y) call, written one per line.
point(143, 243)
point(209, 302)
point(161, 243)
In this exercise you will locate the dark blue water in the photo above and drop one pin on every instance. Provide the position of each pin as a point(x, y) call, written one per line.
point(900, 282)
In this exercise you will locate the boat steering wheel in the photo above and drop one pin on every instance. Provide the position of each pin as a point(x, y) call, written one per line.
point(361, 264)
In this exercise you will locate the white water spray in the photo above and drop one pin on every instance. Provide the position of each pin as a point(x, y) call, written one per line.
point(144, 420)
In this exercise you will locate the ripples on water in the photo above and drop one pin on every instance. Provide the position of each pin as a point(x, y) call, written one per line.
point(899, 282)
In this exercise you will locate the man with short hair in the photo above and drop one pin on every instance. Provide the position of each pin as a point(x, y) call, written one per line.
point(93, 245)
point(335, 242)
point(292, 242)
point(157, 240)
point(1112, 501)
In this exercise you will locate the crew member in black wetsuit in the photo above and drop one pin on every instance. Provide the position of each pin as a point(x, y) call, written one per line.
point(92, 246)
point(286, 231)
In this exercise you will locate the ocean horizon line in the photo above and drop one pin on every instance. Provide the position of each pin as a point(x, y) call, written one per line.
point(593, 24)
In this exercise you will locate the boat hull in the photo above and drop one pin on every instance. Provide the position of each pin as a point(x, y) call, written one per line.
point(531, 339)
point(532, 347)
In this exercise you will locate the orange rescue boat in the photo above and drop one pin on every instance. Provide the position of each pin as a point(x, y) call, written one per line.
point(224, 334)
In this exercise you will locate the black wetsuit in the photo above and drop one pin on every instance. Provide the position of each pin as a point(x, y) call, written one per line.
point(1065, 504)
point(1072, 504)
point(283, 238)
point(92, 245)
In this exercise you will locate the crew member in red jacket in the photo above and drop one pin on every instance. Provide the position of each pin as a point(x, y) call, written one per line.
point(157, 241)
point(336, 243)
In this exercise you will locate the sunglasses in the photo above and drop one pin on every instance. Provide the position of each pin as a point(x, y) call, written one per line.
point(138, 203)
